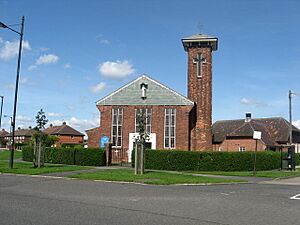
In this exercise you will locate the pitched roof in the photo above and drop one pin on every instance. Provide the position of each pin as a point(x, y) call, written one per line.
point(157, 94)
point(62, 130)
point(3, 133)
point(247, 129)
point(273, 129)
point(22, 133)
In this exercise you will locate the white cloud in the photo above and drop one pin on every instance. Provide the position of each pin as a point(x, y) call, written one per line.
point(25, 81)
point(10, 86)
point(102, 40)
point(1, 40)
point(296, 123)
point(78, 124)
point(67, 66)
point(116, 70)
point(32, 67)
point(47, 59)
point(52, 114)
point(98, 87)
point(11, 49)
point(252, 102)
point(21, 118)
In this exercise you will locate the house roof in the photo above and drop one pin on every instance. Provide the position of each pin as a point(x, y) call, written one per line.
point(22, 133)
point(3, 133)
point(63, 129)
point(156, 94)
point(273, 129)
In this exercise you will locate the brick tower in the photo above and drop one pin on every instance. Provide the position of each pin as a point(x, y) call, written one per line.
point(199, 48)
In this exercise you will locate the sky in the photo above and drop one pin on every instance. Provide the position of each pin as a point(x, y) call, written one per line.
point(76, 52)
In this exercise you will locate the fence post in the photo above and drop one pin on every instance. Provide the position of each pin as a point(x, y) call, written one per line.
point(108, 153)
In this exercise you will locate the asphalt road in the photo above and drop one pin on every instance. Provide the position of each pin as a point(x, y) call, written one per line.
point(26, 200)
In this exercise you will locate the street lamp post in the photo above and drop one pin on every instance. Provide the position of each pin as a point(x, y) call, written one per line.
point(290, 114)
point(13, 124)
point(2, 97)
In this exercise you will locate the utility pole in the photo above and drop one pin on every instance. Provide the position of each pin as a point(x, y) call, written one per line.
point(2, 25)
point(290, 117)
point(2, 97)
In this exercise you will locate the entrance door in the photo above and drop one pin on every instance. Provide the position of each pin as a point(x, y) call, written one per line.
point(150, 144)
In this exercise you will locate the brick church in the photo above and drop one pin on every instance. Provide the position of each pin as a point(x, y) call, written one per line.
point(173, 120)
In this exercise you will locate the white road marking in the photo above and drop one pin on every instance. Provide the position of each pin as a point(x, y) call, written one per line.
point(296, 197)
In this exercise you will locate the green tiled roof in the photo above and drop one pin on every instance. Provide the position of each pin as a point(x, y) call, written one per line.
point(156, 94)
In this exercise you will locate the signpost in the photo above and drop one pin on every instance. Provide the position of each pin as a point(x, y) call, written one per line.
point(256, 137)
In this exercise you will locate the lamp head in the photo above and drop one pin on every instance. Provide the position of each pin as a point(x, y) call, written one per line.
point(2, 25)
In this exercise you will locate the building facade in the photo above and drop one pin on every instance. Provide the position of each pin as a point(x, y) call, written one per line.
point(173, 121)
point(65, 134)
point(237, 135)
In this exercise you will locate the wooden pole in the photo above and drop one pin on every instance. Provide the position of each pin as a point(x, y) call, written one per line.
point(136, 159)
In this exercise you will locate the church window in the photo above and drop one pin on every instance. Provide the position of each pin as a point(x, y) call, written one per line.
point(116, 131)
point(170, 128)
point(148, 114)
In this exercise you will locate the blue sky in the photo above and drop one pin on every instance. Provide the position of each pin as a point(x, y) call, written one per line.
point(76, 52)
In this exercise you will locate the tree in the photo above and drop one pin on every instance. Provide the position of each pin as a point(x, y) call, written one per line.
point(39, 139)
point(140, 142)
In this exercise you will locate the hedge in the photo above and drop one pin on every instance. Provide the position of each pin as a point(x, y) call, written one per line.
point(70, 156)
point(210, 161)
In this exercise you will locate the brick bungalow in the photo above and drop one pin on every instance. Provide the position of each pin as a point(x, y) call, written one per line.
point(237, 135)
point(174, 121)
point(65, 134)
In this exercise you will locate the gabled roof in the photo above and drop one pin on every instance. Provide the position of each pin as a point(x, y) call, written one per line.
point(62, 130)
point(273, 129)
point(156, 94)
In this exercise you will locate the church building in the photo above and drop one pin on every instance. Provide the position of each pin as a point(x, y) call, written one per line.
point(173, 120)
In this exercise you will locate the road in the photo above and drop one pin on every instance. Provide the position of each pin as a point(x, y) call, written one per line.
point(27, 200)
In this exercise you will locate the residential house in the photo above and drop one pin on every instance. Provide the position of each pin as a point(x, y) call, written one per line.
point(3, 141)
point(65, 134)
point(22, 136)
point(237, 135)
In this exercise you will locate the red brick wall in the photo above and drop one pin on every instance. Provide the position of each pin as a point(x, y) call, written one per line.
point(70, 139)
point(200, 91)
point(158, 113)
point(232, 145)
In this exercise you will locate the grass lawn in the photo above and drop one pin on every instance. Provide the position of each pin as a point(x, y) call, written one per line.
point(4, 155)
point(161, 178)
point(27, 168)
point(269, 174)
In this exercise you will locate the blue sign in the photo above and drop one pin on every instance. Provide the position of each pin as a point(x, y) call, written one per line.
point(103, 141)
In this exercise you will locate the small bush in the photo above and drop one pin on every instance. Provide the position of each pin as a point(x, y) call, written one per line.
point(209, 161)
point(70, 156)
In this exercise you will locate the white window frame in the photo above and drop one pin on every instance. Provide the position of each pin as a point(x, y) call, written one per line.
point(242, 149)
point(171, 113)
point(118, 125)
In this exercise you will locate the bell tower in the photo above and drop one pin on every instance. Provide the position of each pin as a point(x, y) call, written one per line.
point(199, 50)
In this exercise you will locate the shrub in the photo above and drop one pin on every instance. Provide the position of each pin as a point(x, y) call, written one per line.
point(70, 156)
point(210, 161)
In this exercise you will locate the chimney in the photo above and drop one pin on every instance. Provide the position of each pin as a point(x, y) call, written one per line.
point(248, 117)
point(64, 123)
